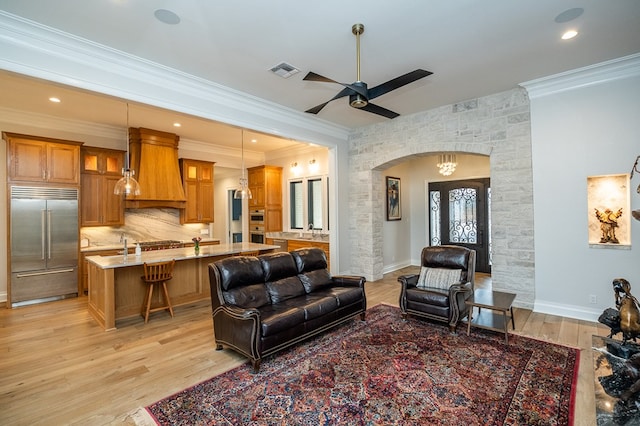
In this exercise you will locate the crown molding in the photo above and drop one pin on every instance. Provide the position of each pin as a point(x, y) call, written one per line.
point(603, 72)
point(39, 51)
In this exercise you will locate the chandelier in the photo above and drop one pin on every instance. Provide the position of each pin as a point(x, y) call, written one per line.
point(447, 164)
point(127, 184)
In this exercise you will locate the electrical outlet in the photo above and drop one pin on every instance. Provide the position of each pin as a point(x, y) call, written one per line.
point(204, 232)
point(593, 299)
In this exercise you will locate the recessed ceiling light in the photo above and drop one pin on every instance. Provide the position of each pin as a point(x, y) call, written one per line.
point(166, 16)
point(54, 99)
point(177, 124)
point(569, 34)
point(254, 140)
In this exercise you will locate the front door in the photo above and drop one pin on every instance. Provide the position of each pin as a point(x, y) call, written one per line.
point(459, 215)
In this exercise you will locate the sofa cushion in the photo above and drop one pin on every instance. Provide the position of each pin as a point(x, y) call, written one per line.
point(317, 306)
point(441, 278)
point(276, 318)
point(309, 259)
point(239, 272)
point(277, 266)
point(285, 288)
point(344, 295)
point(249, 296)
point(315, 280)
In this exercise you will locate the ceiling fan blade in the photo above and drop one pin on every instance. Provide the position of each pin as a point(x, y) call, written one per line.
point(397, 82)
point(312, 76)
point(341, 94)
point(379, 110)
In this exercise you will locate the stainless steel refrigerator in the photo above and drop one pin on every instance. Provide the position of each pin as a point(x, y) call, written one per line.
point(44, 244)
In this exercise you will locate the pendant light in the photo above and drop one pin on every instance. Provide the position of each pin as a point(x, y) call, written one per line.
point(127, 184)
point(242, 192)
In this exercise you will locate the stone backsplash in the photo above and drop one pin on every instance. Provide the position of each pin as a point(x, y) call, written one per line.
point(145, 225)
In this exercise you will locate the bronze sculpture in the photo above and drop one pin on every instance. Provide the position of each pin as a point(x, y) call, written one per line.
point(626, 319)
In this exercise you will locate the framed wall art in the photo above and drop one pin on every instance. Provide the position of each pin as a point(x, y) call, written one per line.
point(609, 212)
point(394, 211)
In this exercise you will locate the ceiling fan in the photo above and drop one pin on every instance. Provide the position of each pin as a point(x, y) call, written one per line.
point(359, 94)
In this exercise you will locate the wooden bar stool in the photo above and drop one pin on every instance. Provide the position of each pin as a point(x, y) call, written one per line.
point(157, 273)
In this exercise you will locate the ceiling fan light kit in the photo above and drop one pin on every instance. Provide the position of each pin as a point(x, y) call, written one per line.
point(359, 93)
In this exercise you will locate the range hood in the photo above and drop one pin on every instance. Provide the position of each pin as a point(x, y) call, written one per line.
point(154, 157)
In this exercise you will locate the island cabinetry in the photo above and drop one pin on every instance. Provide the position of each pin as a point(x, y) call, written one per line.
point(297, 244)
point(37, 159)
point(100, 171)
point(197, 180)
point(84, 265)
point(265, 183)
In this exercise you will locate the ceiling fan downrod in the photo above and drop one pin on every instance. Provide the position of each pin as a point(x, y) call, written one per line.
point(357, 100)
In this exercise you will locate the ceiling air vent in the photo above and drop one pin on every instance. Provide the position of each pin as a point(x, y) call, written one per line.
point(284, 70)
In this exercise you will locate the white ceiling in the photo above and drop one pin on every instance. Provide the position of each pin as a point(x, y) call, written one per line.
point(474, 48)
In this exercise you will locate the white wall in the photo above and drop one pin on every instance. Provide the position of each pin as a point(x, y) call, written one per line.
point(579, 129)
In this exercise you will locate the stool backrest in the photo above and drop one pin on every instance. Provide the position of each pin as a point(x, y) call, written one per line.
point(160, 271)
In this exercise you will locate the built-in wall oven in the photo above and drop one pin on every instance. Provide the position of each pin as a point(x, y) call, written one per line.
point(256, 234)
point(256, 226)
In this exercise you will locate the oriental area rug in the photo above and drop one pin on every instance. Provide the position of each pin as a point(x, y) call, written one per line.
point(386, 371)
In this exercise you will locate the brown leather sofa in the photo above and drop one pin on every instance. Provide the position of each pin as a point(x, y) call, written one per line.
point(266, 303)
point(441, 304)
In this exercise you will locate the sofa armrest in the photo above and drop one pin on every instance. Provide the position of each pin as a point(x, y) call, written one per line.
point(408, 280)
point(349, 280)
point(238, 313)
point(239, 328)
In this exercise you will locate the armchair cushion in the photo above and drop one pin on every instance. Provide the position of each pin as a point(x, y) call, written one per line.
point(441, 278)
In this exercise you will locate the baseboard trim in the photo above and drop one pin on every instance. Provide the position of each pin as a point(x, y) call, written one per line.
point(395, 266)
point(569, 311)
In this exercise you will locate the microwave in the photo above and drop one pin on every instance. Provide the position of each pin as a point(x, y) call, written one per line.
point(256, 217)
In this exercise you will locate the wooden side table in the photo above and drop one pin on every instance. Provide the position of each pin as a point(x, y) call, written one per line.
point(497, 301)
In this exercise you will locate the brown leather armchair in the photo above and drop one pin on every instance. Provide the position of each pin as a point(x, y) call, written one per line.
point(444, 302)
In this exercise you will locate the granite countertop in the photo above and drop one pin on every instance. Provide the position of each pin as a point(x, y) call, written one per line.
point(301, 236)
point(130, 244)
point(118, 261)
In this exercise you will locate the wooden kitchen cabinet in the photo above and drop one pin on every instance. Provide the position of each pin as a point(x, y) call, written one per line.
point(265, 183)
point(197, 180)
point(83, 283)
point(42, 160)
point(101, 170)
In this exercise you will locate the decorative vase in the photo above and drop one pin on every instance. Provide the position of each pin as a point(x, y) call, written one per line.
point(196, 249)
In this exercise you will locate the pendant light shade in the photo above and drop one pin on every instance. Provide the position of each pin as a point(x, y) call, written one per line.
point(127, 184)
point(243, 192)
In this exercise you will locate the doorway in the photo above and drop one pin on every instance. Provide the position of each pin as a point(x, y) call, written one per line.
point(459, 214)
point(235, 218)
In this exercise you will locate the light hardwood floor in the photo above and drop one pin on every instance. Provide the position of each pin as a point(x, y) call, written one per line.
point(57, 366)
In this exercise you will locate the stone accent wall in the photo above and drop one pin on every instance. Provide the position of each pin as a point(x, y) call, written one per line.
point(496, 125)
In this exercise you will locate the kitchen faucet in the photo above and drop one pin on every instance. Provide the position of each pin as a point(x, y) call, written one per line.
point(310, 228)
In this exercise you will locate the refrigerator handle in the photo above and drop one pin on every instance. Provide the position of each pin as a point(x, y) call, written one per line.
point(48, 234)
point(42, 228)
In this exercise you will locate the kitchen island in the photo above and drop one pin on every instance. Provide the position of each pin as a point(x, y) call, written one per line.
point(117, 292)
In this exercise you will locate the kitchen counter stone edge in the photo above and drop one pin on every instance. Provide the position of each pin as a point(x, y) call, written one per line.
point(185, 253)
